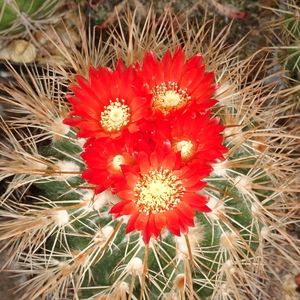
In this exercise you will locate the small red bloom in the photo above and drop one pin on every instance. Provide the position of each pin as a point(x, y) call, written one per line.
point(108, 102)
point(194, 134)
point(104, 158)
point(159, 193)
point(176, 83)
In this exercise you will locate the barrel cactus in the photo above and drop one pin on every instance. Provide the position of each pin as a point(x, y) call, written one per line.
point(18, 16)
point(154, 172)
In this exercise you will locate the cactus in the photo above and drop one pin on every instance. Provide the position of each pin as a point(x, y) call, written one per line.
point(287, 29)
point(74, 223)
point(18, 16)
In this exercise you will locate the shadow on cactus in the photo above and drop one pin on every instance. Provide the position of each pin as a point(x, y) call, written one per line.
point(159, 172)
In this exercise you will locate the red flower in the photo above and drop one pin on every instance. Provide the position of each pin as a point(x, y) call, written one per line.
point(108, 102)
point(104, 157)
point(158, 192)
point(176, 83)
point(195, 135)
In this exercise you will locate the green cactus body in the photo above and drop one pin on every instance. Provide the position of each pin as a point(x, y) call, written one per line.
point(14, 14)
point(69, 244)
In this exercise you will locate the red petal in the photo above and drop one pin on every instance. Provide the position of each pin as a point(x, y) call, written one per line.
point(193, 62)
point(131, 179)
point(147, 233)
point(87, 111)
point(160, 220)
point(205, 209)
point(154, 161)
point(199, 186)
point(94, 176)
point(89, 125)
point(143, 161)
point(152, 225)
point(206, 86)
point(176, 68)
point(129, 209)
point(169, 161)
point(87, 95)
point(192, 78)
point(72, 121)
point(126, 194)
point(118, 207)
point(141, 221)
point(100, 188)
point(185, 220)
point(130, 224)
point(172, 222)
point(197, 202)
point(185, 208)
point(191, 181)
point(166, 65)
point(150, 70)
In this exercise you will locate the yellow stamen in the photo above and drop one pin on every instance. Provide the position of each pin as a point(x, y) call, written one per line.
point(158, 191)
point(168, 96)
point(115, 116)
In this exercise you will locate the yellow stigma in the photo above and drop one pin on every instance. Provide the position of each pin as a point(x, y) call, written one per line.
point(186, 149)
point(158, 191)
point(117, 161)
point(168, 96)
point(115, 116)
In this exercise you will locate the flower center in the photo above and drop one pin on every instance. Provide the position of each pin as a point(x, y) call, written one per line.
point(168, 96)
point(186, 149)
point(117, 161)
point(115, 116)
point(158, 191)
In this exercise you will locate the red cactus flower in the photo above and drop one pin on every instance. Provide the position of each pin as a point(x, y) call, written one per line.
point(176, 83)
point(195, 135)
point(108, 102)
point(104, 157)
point(159, 193)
